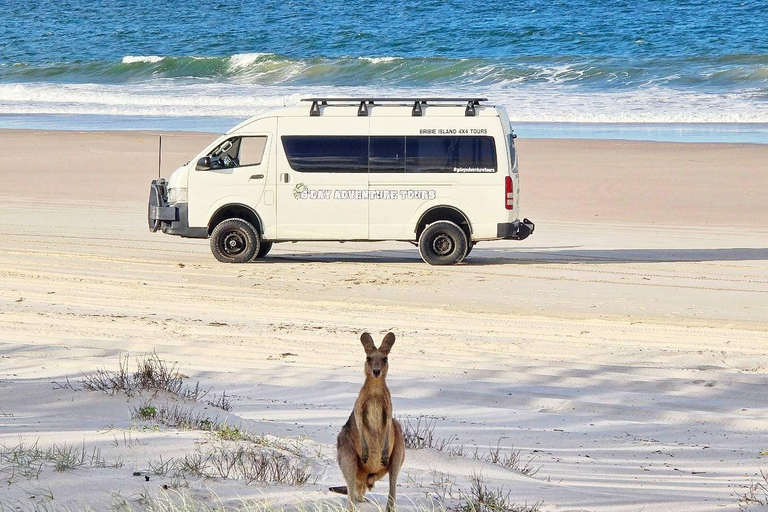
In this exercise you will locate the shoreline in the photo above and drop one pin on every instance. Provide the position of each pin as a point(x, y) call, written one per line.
point(725, 133)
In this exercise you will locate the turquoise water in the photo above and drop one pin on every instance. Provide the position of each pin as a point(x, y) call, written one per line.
point(649, 69)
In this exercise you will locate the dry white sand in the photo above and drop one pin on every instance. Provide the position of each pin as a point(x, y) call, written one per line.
point(622, 347)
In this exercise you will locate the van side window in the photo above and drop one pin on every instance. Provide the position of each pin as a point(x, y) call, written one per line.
point(320, 153)
point(252, 150)
point(238, 152)
point(225, 154)
point(450, 154)
point(387, 154)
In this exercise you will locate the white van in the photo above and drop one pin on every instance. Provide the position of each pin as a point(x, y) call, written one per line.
point(437, 172)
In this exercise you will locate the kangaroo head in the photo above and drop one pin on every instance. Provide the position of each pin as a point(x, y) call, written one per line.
point(376, 364)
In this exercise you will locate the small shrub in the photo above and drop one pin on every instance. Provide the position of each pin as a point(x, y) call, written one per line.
point(247, 462)
point(512, 460)
point(147, 412)
point(419, 432)
point(152, 374)
point(222, 402)
point(186, 418)
point(228, 433)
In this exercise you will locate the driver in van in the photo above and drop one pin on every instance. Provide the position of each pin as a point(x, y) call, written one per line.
point(228, 161)
point(220, 157)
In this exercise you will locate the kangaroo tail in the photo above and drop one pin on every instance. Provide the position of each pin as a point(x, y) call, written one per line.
point(341, 489)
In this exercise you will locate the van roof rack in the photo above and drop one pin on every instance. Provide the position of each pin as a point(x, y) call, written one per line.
point(418, 103)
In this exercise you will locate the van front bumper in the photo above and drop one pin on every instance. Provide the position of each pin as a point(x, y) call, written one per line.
point(517, 230)
point(171, 219)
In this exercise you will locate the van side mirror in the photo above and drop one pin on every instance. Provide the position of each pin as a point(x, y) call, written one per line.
point(204, 164)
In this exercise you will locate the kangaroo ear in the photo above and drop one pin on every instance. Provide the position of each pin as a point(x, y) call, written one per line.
point(387, 342)
point(367, 342)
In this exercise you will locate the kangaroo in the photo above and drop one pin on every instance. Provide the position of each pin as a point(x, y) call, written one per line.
point(371, 444)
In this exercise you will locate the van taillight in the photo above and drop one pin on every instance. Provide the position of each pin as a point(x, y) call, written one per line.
point(509, 197)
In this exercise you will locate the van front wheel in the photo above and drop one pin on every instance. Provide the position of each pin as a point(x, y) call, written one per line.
point(443, 243)
point(235, 241)
point(263, 250)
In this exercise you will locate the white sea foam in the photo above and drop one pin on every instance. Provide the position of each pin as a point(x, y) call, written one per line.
point(379, 60)
point(150, 59)
point(525, 103)
point(557, 74)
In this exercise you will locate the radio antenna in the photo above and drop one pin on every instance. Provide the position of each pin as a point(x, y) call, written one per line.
point(159, 155)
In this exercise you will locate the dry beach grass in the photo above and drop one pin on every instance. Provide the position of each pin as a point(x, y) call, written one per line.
point(620, 351)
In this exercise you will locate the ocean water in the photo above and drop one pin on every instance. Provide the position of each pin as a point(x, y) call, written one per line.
point(656, 69)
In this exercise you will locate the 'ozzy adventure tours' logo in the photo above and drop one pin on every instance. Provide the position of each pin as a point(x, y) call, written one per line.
point(301, 191)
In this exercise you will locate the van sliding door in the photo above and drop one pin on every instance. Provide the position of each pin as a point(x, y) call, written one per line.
point(390, 211)
point(322, 189)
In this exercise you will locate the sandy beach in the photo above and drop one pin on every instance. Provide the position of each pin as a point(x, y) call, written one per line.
point(620, 349)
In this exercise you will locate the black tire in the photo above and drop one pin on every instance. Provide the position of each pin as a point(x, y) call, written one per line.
point(443, 243)
point(235, 241)
point(264, 249)
point(469, 248)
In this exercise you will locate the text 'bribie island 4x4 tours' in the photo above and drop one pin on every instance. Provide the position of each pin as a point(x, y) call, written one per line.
point(438, 172)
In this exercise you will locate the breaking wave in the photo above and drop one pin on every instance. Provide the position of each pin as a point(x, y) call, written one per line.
point(723, 89)
point(724, 73)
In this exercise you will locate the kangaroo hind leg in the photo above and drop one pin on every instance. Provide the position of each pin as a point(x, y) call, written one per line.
point(347, 458)
point(395, 463)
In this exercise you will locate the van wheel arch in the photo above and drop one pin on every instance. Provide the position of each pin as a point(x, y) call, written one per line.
point(238, 211)
point(444, 212)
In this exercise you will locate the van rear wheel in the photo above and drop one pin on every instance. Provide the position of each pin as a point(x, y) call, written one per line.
point(235, 241)
point(443, 243)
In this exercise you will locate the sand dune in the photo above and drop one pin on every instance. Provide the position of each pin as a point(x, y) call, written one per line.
point(621, 348)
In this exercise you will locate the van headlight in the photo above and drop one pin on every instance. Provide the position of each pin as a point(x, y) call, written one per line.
point(177, 195)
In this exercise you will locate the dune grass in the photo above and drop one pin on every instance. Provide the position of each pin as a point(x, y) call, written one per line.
point(152, 374)
point(27, 461)
point(181, 501)
point(755, 495)
point(419, 434)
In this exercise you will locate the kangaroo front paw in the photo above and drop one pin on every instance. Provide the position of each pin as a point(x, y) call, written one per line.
point(364, 456)
point(384, 460)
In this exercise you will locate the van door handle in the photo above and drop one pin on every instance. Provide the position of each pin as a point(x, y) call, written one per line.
point(257, 177)
point(285, 178)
